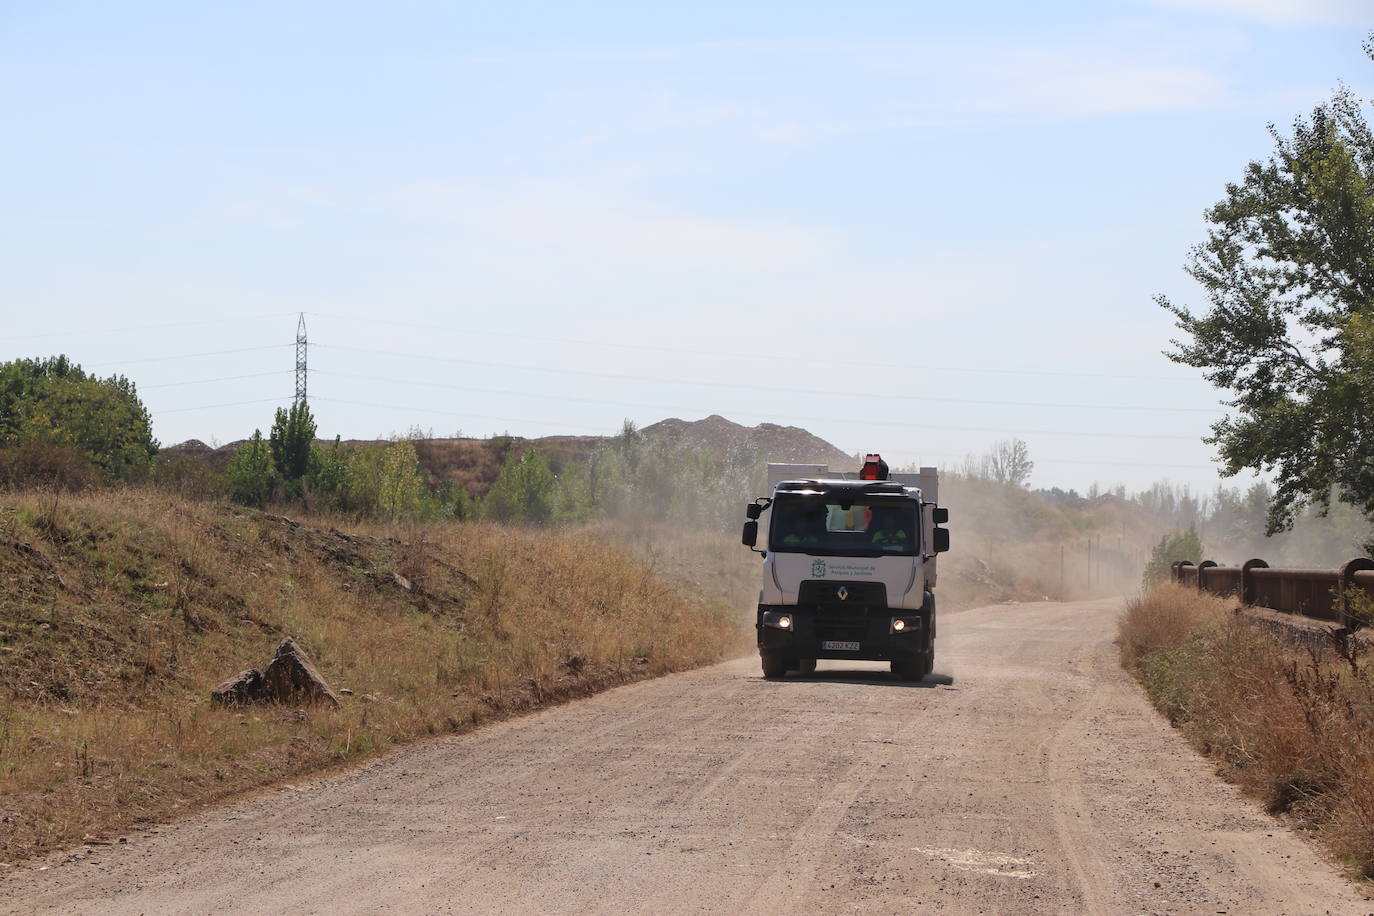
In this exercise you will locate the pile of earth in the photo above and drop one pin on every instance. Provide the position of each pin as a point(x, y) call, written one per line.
point(475, 463)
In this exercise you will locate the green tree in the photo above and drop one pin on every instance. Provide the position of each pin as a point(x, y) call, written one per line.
point(292, 441)
point(1288, 270)
point(525, 490)
point(1170, 549)
point(385, 480)
point(54, 401)
point(252, 476)
point(328, 477)
point(401, 489)
point(452, 501)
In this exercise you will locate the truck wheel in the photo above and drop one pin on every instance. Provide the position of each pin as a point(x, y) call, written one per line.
point(774, 664)
point(807, 666)
point(927, 663)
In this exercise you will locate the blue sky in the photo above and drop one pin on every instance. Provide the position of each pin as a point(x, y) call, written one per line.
point(912, 228)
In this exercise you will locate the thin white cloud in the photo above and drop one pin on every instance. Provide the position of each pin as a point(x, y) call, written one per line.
point(1085, 85)
point(521, 237)
point(884, 86)
point(1282, 12)
point(564, 215)
point(259, 214)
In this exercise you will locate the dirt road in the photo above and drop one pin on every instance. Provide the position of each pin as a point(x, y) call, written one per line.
point(1027, 776)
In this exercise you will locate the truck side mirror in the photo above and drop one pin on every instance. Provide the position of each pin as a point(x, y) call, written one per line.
point(750, 537)
point(753, 510)
point(941, 540)
point(940, 515)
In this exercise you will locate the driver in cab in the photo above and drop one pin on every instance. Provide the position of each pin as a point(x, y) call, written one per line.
point(887, 531)
point(803, 530)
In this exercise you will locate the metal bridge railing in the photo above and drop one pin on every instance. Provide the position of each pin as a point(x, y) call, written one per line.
point(1322, 594)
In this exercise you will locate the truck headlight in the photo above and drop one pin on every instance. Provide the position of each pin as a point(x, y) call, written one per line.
point(904, 624)
point(778, 620)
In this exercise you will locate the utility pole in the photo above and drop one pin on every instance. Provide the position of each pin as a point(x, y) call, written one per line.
point(300, 361)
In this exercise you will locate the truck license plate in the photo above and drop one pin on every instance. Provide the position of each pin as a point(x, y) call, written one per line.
point(837, 645)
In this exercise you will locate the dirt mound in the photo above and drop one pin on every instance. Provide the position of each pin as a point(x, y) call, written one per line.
point(474, 463)
point(775, 443)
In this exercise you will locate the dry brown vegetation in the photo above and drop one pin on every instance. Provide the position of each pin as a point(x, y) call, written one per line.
point(1294, 727)
point(121, 609)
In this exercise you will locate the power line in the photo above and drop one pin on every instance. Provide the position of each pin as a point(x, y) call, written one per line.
point(864, 422)
point(1116, 464)
point(206, 381)
point(803, 360)
point(213, 406)
point(780, 416)
point(163, 359)
point(100, 332)
point(865, 395)
point(461, 415)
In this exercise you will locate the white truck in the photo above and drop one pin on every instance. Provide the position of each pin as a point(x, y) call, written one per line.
point(848, 567)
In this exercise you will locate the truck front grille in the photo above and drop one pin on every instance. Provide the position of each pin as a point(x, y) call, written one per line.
point(839, 596)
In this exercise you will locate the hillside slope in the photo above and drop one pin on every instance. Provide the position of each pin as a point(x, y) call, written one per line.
point(121, 610)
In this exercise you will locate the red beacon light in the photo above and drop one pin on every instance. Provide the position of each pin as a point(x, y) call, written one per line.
point(875, 468)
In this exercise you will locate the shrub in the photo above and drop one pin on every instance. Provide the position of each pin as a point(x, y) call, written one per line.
point(292, 442)
point(525, 490)
point(54, 401)
point(251, 475)
point(1171, 549)
point(43, 464)
point(1293, 726)
point(187, 475)
point(386, 481)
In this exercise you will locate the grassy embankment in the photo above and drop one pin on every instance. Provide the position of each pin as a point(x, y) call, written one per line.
point(121, 609)
point(1293, 727)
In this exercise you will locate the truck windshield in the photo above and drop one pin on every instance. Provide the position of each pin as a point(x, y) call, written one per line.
point(869, 526)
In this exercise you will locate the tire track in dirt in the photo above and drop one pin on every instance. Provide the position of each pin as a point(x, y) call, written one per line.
point(1029, 776)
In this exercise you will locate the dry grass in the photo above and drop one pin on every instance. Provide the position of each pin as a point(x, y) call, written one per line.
point(1293, 727)
point(120, 610)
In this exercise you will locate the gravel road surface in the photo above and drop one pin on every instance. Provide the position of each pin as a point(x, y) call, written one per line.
point(1028, 775)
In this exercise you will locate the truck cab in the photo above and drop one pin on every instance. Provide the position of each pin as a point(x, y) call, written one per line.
point(848, 567)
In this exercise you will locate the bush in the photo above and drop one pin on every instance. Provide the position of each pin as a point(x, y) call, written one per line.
point(328, 480)
point(525, 490)
point(292, 442)
point(1171, 549)
point(1294, 727)
point(187, 475)
point(386, 481)
point(53, 401)
point(251, 476)
point(42, 464)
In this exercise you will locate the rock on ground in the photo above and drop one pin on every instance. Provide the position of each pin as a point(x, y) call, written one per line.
point(244, 687)
point(291, 677)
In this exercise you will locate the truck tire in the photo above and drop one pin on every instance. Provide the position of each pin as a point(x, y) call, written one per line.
point(774, 664)
point(927, 662)
point(807, 666)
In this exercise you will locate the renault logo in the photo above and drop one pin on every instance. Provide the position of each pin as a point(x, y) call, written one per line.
point(842, 593)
